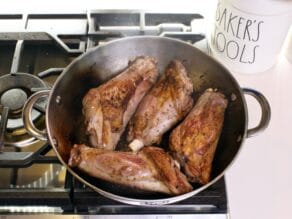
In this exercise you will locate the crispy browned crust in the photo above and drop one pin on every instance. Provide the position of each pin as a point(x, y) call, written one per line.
point(167, 103)
point(168, 171)
point(151, 169)
point(108, 108)
point(195, 140)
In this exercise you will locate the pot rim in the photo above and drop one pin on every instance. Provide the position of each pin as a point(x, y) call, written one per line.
point(135, 201)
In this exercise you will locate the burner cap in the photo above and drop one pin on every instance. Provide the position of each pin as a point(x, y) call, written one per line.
point(14, 91)
point(14, 98)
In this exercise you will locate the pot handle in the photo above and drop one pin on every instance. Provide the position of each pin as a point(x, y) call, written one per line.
point(265, 108)
point(26, 115)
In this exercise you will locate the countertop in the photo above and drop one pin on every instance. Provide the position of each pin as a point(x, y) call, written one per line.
point(259, 182)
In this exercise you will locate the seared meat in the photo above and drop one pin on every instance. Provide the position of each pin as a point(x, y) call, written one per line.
point(166, 104)
point(150, 169)
point(109, 107)
point(195, 140)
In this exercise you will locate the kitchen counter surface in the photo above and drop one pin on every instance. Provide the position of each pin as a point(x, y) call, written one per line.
point(259, 182)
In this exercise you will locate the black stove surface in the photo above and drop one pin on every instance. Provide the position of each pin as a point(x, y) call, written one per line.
point(76, 198)
point(42, 45)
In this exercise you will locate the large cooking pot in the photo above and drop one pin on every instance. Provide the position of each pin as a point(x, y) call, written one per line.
point(64, 108)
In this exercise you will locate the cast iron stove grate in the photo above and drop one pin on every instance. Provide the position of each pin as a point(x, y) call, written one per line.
point(42, 45)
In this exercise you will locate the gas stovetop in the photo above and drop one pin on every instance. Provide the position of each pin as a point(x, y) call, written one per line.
point(34, 49)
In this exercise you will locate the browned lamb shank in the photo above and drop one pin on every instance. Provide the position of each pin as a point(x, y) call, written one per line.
point(150, 169)
point(194, 141)
point(167, 103)
point(109, 107)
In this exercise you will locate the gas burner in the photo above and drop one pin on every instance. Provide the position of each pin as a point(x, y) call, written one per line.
point(43, 44)
point(14, 91)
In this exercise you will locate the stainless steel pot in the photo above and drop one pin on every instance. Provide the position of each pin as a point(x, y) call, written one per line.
point(64, 109)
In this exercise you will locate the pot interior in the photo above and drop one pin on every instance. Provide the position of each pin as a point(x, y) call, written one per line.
point(65, 121)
